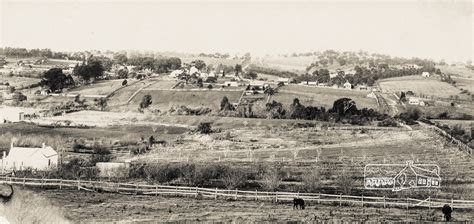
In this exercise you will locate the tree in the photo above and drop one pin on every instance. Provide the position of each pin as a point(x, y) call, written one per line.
point(209, 87)
point(270, 91)
point(122, 73)
point(251, 75)
point(199, 64)
point(104, 61)
point(101, 103)
point(146, 101)
point(120, 59)
point(204, 128)
point(55, 80)
point(226, 105)
point(238, 69)
point(18, 97)
point(88, 71)
point(124, 83)
point(344, 106)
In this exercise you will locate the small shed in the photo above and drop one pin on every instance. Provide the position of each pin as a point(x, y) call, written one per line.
point(425, 74)
point(347, 85)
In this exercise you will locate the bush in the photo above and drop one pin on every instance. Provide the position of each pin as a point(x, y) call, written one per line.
point(311, 181)
point(234, 177)
point(146, 101)
point(272, 178)
point(204, 128)
point(345, 182)
point(389, 122)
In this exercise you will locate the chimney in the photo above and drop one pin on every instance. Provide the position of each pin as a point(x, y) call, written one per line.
point(44, 146)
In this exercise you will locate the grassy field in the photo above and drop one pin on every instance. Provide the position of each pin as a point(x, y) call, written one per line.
point(163, 99)
point(19, 82)
point(419, 85)
point(84, 207)
point(459, 71)
point(465, 83)
point(103, 87)
point(316, 96)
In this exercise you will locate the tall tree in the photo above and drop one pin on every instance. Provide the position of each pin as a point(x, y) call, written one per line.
point(55, 80)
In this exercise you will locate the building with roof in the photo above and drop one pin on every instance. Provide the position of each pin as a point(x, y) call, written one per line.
point(11, 114)
point(347, 85)
point(425, 74)
point(412, 176)
point(37, 158)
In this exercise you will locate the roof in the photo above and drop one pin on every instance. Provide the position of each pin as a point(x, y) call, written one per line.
point(24, 152)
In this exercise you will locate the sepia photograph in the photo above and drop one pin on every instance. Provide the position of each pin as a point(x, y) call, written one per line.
point(236, 111)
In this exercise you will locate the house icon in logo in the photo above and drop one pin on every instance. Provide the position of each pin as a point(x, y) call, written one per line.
point(412, 176)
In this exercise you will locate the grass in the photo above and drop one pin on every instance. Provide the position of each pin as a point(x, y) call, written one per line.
point(28, 207)
point(19, 82)
point(316, 96)
point(163, 99)
point(419, 85)
point(459, 71)
point(103, 87)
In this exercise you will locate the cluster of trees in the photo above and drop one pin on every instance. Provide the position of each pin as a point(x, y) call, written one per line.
point(344, 110)
point(89, 71)
point(55, 80)
point(159, 65)
point(24, 53)
point(271, 71)
point(363, 75)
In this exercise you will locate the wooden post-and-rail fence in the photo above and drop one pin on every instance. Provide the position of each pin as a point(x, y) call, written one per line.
point(215, 193)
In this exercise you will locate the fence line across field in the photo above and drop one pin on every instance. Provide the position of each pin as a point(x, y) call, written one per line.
point(145, 189)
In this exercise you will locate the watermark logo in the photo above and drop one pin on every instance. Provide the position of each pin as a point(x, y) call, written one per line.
point(397, 177)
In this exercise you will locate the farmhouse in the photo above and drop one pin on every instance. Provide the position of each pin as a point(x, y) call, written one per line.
point(285, 81)
point(312, 83)
point(257, 86)
point(347, 85)
point(11, 114)
point(20, 158)
point(175, 73)
point(425, 74)
point(416, 101)
point(415, 177)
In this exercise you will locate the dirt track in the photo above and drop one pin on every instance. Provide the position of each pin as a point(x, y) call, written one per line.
point(85, 207)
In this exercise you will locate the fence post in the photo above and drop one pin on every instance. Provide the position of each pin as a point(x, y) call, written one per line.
point(156, 190)
point(42, 182)
point(452, 203)
point(429, 200)
point(215, 195)
point(276, 197)
point(60, 184)
point(384, 201)
point(319, 197)
point(340, 199)
point(362, 200)
point(196, 195)
point(256, 195)
point(176, 190)
point(79, 184)
point(236, 191)
point(406, 213)
point(24, 181)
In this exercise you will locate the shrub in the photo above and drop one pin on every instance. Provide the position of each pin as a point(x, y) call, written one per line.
point(204, 128)
point(272, 178)
point(311, 181)
point(345, 182)
point(146, 101)
point(234, 177)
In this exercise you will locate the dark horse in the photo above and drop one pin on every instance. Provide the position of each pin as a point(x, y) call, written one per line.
point(298, 202)
point(6, 196)
point(447, 210)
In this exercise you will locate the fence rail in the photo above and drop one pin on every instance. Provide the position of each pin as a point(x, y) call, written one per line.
point(215, 193)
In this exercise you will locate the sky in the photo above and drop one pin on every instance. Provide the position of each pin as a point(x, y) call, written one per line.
point(426, 29)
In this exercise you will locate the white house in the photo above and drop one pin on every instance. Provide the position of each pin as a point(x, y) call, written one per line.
point(11, 114)
point(231, 83)
point(19, 158)
point(193, 70)
point(425, 74)
point(175, 73)
point(416, 101)
point(285, 81)
point(212, 74)
point(312, 83)
point(347, 85)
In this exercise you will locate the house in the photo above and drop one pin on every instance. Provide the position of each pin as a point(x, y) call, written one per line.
point(11, 114)
point(412, 176)
point(231, 83)
point(175, 73)
point(41, 158)
point(347, 85)
point(425, 74)
point(362, 87)
point(332, 75)
point(312, 83)
point(285, 81)
point(323, 84)
point(212, 74)
point(193, 70)
point(416, 101)
point(257, 86)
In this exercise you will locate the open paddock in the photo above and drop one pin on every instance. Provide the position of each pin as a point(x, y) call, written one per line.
point(420, 86)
